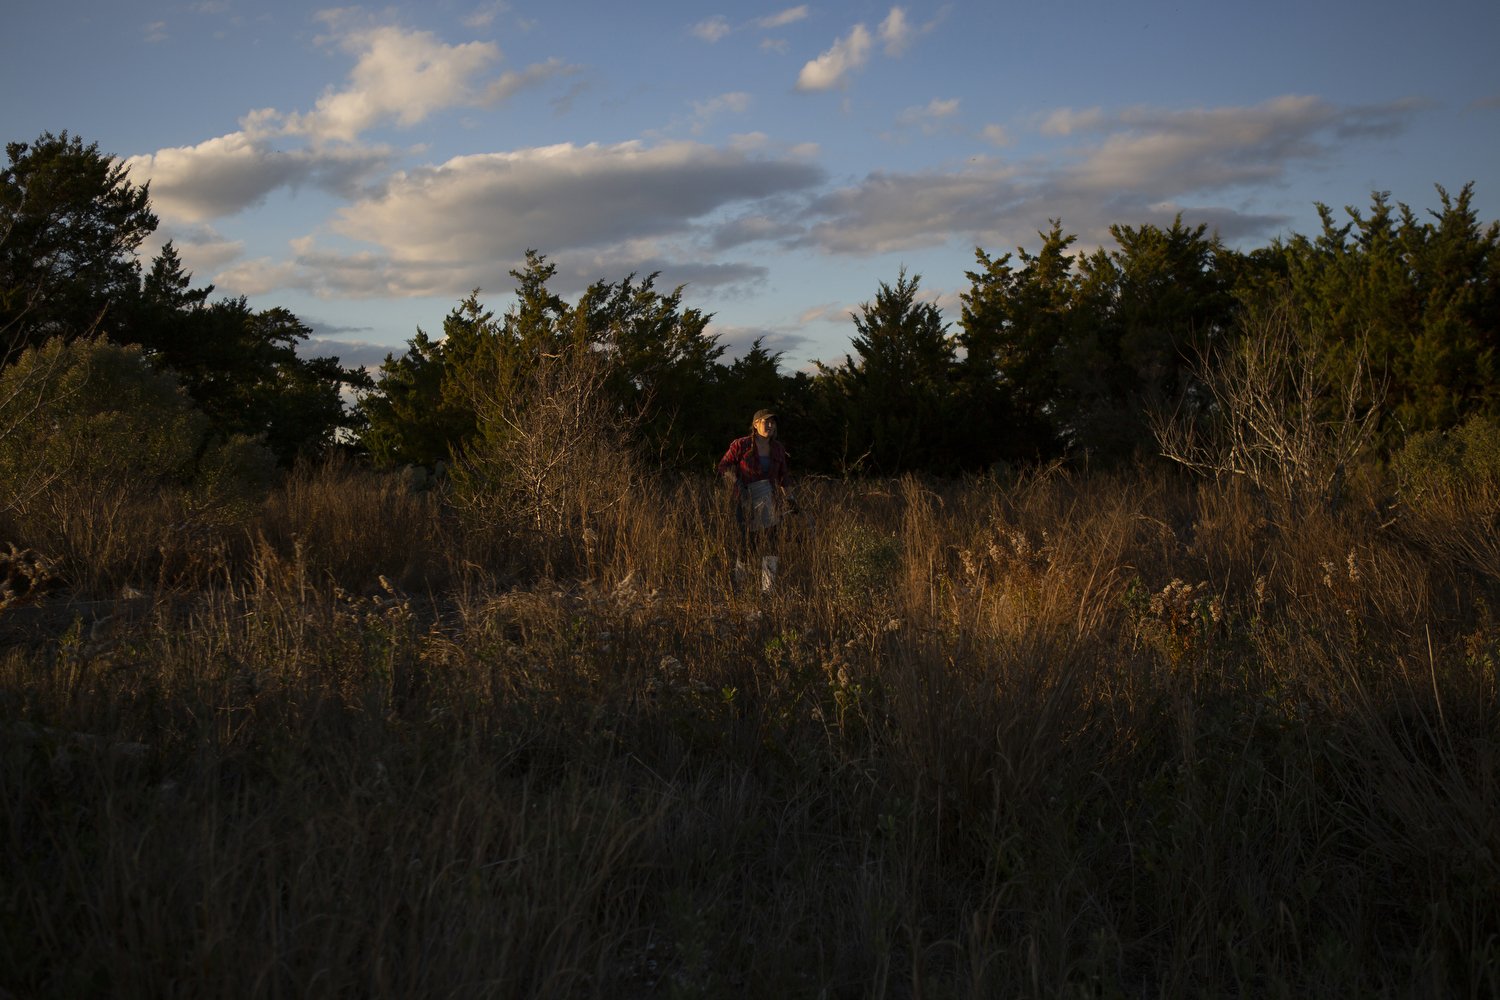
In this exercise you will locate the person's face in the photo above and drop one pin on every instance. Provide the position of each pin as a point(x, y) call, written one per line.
point(766, 427)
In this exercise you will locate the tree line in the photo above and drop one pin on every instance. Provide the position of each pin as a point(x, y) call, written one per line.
point(1054, 353)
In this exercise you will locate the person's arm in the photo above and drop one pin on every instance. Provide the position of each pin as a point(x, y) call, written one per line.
point(729, 465)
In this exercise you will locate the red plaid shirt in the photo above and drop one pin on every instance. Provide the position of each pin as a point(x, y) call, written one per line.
point(744, 462)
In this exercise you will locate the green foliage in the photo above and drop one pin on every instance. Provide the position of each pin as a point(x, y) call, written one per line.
point(865, 562)
point(70, 223)
point(665, 367)
point(1076, 350)
point(893, 403)
point(94, 440)
point(1013, 321)
point(415, 412)
point(93, 414)
point(429, 404)
point(1448, 464)
point(1421, 297)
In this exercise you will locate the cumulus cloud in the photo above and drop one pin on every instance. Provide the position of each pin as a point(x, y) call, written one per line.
point(831, 68)
point(852, 52)
point(510, 83)
point(757, 227)
point(400, 76)
point(738, 340)
point(227, 174)
point(1157, 153)
point(497, 204)
point(598, 210)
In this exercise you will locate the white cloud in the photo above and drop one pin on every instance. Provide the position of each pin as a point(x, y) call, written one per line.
point(712, 29)
point(598, 209)
point(930, 115)
point(510, 83)
point(155, 32)
point(1157, 153)
point(400, 75)
point(995, 135)
point(230, 173)
point(716, 28)
point(826, 312)
point(1150, 164)
point(830, 69)
point(782, 18)
point(895, 32)
point(1066, 121)
point(261, 275)
point(498, 204)
point(204, 250)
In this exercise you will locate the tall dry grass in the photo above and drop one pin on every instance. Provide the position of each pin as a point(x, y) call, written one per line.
point(1059, 734)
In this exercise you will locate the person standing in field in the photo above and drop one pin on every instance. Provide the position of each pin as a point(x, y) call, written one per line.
point(756, 470)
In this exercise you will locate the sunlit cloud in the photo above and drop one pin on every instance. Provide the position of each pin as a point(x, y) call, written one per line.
point(230, 173)
point(1147, 165)
point(830, 69)
point(895, 32)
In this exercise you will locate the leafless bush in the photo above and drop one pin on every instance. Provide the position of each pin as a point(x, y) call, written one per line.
point(553, 463)
point(1276, 416)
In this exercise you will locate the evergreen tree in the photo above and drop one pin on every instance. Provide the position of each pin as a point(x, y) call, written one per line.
point(1420, 298)
point(894, 402)
point(1148, 311)
point(70, 223)
point(421, 406)
point(1013, 324)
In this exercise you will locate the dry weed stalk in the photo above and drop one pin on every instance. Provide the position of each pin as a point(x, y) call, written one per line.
point(1275, 417)
point(551, 463)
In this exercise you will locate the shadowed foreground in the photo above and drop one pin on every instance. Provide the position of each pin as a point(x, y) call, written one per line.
point(1044, 736)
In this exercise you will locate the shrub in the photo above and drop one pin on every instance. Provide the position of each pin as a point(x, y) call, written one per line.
point(1448, 485)
point(103, 463)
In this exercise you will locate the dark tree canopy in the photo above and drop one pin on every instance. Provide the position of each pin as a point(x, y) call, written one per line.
point(70, 224)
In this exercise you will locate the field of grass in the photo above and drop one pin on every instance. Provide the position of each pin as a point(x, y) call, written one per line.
point(1052, 734)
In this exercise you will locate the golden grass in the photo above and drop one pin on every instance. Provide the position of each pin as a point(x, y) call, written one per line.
point(1092, 735)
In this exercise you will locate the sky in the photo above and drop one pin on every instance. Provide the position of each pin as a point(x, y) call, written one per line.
point(367, 167)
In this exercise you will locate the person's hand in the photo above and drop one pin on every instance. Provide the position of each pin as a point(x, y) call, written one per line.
point(729, 479)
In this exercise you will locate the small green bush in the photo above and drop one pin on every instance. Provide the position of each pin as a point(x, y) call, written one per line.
point(105, 464)
point(865, 562)
point(1439, 464)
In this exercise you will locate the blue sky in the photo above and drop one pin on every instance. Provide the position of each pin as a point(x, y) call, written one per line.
point(366, 167)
